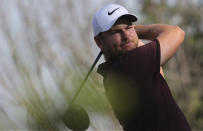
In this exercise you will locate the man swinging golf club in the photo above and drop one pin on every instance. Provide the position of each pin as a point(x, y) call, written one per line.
point(138, 93)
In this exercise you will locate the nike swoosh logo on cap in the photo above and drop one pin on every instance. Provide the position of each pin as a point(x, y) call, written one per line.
point(110, 13)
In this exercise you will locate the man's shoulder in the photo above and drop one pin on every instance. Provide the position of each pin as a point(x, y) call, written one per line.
point(142, 52)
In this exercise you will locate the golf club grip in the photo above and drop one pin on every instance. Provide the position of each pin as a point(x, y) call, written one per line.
point(83, 82)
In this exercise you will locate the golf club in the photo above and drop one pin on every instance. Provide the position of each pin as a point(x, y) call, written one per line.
point(75, 117)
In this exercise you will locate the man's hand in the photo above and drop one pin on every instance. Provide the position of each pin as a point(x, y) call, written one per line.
point(170, 38)
point(140, 43)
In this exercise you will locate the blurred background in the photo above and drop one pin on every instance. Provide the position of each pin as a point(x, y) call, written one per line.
point(47, 47)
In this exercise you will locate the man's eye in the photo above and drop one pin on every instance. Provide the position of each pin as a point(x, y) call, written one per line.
point(129, 27)
point(114, 32)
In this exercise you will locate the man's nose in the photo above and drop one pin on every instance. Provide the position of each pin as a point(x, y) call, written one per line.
point(125, 35)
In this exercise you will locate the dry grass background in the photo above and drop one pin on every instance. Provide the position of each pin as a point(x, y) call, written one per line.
point(47, 47)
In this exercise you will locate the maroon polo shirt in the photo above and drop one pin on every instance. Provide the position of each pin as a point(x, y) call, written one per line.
point(139, 95)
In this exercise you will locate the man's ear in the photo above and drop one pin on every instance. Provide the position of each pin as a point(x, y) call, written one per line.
point(99, 42)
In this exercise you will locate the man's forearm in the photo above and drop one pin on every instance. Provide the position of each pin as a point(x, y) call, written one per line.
point(150, 32)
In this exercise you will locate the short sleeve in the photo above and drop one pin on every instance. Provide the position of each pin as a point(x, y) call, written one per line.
point(143, 61)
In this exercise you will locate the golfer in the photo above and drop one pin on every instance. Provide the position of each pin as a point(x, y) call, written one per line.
point(137, 91)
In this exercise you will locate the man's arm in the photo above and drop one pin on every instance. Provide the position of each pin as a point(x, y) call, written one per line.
point(170, 37)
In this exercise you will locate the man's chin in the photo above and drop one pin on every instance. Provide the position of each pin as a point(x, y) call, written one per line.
point(128, 49)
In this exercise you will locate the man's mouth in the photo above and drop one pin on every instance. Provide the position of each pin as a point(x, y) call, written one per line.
point(126, 45)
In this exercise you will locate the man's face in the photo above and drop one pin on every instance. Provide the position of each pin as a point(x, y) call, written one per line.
point(121, 38)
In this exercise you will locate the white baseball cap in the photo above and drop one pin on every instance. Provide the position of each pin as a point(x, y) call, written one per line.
point(105, 18)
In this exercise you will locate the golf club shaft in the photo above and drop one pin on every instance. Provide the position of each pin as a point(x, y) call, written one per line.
point(83, 82)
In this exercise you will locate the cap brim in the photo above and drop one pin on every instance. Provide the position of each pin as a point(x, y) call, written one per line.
point(130, 17)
